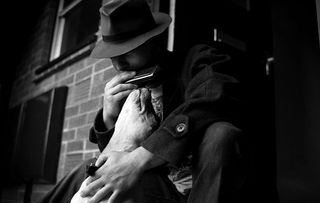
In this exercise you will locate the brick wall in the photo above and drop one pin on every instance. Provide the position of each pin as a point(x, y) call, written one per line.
point(85, 79)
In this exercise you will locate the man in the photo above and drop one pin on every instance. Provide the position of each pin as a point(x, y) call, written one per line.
point(193, 105)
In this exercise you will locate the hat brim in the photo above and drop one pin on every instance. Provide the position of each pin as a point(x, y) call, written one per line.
point(111, 49)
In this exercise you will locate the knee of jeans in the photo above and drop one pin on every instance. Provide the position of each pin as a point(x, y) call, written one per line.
point(220, 137)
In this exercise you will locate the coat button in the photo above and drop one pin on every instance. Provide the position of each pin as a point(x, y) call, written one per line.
point(180, 127)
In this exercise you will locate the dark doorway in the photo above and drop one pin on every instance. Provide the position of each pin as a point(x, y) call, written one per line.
point(245, 27)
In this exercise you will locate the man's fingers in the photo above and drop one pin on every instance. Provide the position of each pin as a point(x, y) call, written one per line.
point(120, 78)
point(122, 95)
point(113, 197)
point(101, 194)
point(90, 189)
point(101, 160)
point(91, 179)
point(122, 87)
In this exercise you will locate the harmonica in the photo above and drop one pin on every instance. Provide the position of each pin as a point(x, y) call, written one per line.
point(145, 76)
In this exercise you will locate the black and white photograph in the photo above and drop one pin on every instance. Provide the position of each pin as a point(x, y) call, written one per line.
point(160, 101)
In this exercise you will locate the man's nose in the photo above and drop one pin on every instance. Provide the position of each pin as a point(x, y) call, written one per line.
point(121, 64)
point(123, 67)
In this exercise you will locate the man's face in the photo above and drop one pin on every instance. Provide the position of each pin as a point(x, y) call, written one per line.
point(137, 59)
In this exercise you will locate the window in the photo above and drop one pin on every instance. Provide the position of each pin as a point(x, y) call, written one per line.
point(76, 25)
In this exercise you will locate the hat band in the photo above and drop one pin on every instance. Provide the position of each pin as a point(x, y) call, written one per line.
point(127, 35)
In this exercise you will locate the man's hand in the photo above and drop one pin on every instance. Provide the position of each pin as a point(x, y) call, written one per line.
point(115, 92)
point(118, 174)
point(77, 198)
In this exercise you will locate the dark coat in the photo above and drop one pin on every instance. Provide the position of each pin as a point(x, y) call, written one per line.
point(204, 92)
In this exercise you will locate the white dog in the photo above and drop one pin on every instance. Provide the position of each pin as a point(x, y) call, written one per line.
point(135, 123)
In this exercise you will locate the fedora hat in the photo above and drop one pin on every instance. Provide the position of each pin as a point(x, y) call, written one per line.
point(125, 25)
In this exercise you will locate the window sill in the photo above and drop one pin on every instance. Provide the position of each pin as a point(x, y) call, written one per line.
point(63, 61)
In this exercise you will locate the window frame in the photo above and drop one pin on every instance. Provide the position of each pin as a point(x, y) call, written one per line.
point(59, 27)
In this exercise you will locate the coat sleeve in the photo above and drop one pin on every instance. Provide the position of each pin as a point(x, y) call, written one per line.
point(210, 96)
point(99, 134)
